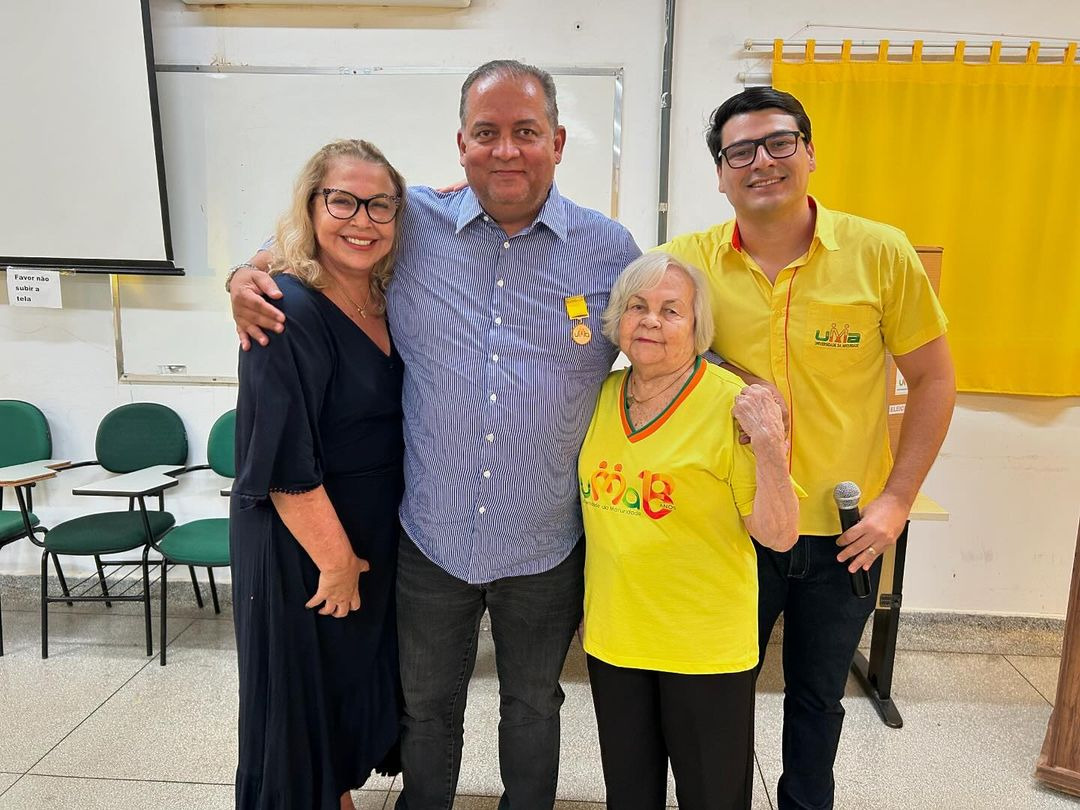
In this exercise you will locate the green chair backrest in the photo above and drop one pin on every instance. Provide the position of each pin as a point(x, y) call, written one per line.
point(221, 446)
point(140, 435)
point(24, 433)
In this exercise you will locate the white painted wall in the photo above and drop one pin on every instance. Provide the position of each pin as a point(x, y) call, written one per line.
point(1010, 469)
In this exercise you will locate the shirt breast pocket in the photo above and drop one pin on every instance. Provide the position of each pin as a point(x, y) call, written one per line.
point(840, 336)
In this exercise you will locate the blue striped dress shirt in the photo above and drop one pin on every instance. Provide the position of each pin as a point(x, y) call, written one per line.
point(497, 395)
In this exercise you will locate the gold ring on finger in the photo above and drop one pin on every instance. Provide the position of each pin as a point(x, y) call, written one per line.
point(871, 550)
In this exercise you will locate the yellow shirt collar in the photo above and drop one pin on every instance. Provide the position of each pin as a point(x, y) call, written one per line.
point(824, 228)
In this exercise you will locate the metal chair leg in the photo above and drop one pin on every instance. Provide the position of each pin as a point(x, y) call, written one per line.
point(146, 601)
point(213, 589)
point(2, 629)
point(44, 604)
point(164, 584)
point(195, 587)
point(60, 576)
point(101, 579)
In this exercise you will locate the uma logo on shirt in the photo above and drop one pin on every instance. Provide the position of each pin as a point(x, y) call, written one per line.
point(608, 489)
point(837, 338)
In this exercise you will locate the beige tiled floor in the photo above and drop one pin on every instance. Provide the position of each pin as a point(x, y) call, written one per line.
point(101, 725)
point(1040, 671)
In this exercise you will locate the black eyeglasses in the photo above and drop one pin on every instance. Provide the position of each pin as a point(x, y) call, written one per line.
point(778, 144)
point(340, 204)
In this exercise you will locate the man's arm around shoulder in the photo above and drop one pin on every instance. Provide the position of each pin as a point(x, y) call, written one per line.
point(251, 311)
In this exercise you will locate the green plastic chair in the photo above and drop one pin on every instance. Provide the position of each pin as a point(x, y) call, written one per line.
point(24, 436)
point(130, 439)
point(203, 543)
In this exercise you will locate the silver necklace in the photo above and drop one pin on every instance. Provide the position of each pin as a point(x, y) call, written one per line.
point(631, 399)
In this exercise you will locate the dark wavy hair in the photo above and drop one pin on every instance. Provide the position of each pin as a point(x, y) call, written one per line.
point(749, 100)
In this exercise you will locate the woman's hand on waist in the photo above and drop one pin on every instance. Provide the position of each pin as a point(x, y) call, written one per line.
point(339, 588)
point(311, 519)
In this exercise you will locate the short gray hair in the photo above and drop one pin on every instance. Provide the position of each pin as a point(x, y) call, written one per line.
point(647, 271)
point(512, 69)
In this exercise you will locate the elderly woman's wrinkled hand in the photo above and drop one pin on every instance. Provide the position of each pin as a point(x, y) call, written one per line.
point(758, 416)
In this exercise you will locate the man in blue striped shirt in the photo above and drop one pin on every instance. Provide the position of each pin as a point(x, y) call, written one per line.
point(495, 308)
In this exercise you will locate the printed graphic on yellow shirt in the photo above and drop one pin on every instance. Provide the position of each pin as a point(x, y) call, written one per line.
point(837, 337)
point(609, 489)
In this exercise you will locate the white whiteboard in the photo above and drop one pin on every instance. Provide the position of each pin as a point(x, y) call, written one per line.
point(234, 142)
point(78, 161)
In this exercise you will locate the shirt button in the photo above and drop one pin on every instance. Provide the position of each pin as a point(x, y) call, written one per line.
point(487, 473)
point(492, 397)
point(481, 510)
point(499, 282)
point(487, 218)
point(494, 358)
point(498, 321)
point(490, 437)
point(506, 245)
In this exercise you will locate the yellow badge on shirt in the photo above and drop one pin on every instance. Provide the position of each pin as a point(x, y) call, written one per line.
point(576, 307)
point(577, 311)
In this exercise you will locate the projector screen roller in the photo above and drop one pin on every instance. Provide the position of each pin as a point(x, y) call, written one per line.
point(83, 178)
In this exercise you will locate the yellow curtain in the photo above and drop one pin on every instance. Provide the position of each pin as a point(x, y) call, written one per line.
point(982, 160)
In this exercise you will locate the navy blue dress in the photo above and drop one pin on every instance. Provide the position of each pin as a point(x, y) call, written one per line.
point(319, 696)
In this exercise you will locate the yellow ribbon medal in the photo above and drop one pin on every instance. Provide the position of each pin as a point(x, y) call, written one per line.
point(577, 311)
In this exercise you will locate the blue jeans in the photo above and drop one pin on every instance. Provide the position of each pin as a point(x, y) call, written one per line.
point(823, 622)
point(533, 619)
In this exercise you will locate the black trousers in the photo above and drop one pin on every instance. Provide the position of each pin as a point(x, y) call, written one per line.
point(823, 622)
point(703, 724)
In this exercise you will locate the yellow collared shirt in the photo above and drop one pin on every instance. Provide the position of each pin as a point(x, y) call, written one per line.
point(819, 333)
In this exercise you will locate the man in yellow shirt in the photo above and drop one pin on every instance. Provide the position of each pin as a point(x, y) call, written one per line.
point(808, 300)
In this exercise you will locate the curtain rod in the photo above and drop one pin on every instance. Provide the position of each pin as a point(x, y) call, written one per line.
point(983, 45)
point(763, 48)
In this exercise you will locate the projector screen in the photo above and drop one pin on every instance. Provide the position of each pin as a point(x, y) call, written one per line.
point(82, 180)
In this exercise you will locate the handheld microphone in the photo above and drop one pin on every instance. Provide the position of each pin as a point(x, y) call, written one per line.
point(847, 494)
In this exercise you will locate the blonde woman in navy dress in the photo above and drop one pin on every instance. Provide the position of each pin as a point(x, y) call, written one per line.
point(314, 506)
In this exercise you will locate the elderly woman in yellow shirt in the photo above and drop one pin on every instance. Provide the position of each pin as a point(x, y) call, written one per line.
point(670, 498)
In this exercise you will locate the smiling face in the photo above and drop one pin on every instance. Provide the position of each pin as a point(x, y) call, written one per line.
point(509, 148)
point(657, 329)
point(769, 186)
point(352, 246)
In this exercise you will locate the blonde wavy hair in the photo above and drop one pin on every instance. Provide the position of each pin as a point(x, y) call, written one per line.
point(295, 248)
